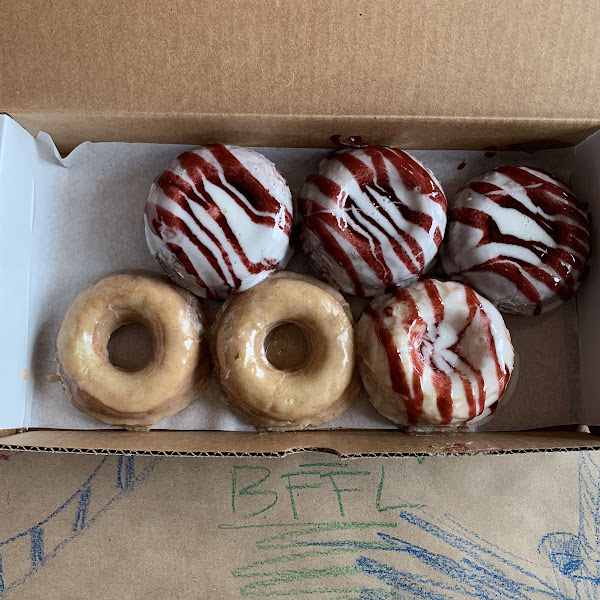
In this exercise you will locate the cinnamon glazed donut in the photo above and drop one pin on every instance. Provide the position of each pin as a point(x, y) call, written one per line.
point(314, 390)
point(179, 366)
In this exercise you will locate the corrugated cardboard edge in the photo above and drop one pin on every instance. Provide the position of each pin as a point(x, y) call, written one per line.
point(299, 131)
point(344, 444)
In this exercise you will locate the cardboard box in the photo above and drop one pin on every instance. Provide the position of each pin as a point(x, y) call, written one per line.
point(288, 74)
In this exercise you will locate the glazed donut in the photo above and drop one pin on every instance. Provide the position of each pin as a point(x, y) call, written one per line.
point(176, 373)
point(286, 399)
point(434, 354)
point(519, 237)
point(373, 219)
point(219, 219)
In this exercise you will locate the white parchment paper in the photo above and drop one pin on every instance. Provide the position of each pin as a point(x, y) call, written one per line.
point(88, 223)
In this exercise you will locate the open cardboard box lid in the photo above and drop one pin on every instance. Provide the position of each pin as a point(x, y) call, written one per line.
point(285, 73)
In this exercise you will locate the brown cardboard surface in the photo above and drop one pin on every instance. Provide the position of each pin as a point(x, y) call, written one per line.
point(345, 443)
point(428, 74)
point(437, 75)
point(307, 526)
point(302, 131)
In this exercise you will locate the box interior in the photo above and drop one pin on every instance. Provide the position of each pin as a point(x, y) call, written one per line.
point(544, 382)
point(520, 76)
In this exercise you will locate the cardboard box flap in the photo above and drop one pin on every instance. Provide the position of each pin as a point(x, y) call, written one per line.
point(346, 444)
point(239, 71)
point(309, 131)
point(506, 59)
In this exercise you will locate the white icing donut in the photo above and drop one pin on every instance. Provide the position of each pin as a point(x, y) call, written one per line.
point(219, 219)
point(373, 219)
point(519, 237)
point(434, 354)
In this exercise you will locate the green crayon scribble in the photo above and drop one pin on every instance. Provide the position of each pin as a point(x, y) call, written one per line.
point(291, 487)
point(319, 525)
point(346, 593)
point(307, 529)
point(338, 490)
point(245, 571)
point(297, 575)
point(354, 546)
point(290, 540)
point(265, 579)
point(264, 543)
point(250, 490)
point(325, 465)
point(397, 506)
point(345, 473)
point(262, 525)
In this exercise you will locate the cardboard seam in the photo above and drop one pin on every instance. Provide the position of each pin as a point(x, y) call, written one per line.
point(376, 117)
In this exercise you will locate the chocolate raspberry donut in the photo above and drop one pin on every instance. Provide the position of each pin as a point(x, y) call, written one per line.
point(373, 219)
point(219, 219)
point(520, 237)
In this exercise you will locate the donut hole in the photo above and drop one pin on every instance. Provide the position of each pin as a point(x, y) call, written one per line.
point(130, 347)
point(287, 347)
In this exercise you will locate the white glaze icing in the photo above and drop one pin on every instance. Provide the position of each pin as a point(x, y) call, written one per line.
point(434, 354)
point(218, 220)
point(373, 219)
point(518, 236)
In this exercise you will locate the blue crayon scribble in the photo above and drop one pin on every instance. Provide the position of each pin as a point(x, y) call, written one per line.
point(416, 586)
point(37, 546)
point(41, 550)
point(573, 558)
point(369, 594)
point(125, 472)
point(450, 561)
point(82, 508)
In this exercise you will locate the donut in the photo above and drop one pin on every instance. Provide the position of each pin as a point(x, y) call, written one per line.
point(313, 391)
point(435, 354)
point(519, 237)
point(177, 371)
point(219, 219)
point(372, 219)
